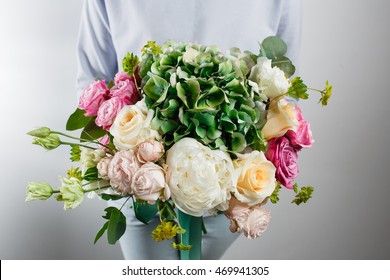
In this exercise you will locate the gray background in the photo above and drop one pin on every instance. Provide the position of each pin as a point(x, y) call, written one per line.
point(346, 42)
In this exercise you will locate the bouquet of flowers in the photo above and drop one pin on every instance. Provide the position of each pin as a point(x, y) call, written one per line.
point(184, 130)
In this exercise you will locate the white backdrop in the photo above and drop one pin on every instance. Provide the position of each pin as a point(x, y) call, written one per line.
point(346, 42)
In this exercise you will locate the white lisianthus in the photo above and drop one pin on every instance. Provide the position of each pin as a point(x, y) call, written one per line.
point(90, 158)
point(190, 55)
point(132, 126)
point(200, 179)
point(282, 116)
point(270, 80)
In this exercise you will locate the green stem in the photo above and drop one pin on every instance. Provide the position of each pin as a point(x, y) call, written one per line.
point(126, 202)
point(96, 189)
point(81, 139)
point(136, 85)
point(55, 191)
point(76, 144)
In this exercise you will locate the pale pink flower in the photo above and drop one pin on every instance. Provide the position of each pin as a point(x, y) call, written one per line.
point(105, 140)
point(257, 222)
point(149, 182)
point(108, 112)
point(92, 97)
point(102, 167)
point(121, 171)
point(150, 150)
point(252, 221)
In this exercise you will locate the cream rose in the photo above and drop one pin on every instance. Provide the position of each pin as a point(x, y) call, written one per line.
point(255, 178)
point(149, 182)
point(282, 116)
point(271, 81)
point(200, 179)
point(132, 126)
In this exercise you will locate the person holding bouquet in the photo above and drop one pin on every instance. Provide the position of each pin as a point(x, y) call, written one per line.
point(110, 29)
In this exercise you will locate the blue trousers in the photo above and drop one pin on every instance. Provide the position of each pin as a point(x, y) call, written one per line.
point(137, 242)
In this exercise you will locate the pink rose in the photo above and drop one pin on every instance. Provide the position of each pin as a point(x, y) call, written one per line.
point(252, 221)
point(108, 111)
point(105, 140)
point(127, 91)
point(302, 137)
point(257, 222)
point(92, 97)
point(284, 157)
point(102, 167)
point(150, 150)
point(121, 171)
point(121, 76)
point(148, 183)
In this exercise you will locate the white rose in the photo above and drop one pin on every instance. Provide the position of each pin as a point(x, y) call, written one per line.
point(270, 80)
point(200, 179)
point(282, 116)
point(132, 126)
point(255, 178)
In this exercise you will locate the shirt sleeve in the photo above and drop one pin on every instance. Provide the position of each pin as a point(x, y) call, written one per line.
point(96, 55)
point(289, 28)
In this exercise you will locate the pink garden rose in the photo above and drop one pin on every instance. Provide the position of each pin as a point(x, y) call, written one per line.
point(93, 96)
point(149, 182)
point(102, 167)
point(284, 157)
point(252, 221)
point(127, 91)
point(150, 150)
point(121, 171)
point(108, 111)
point(121, 76)
point(302, 137)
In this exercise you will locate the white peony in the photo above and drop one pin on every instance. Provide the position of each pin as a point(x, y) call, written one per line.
point(271, 81)
point(200, 179)
point(132, 126)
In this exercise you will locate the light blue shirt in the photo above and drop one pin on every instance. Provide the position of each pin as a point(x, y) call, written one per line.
point(110, 29)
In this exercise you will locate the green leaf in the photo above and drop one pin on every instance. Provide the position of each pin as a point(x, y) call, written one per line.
point(129, 63)
point(167, 213)
point(284, 64)
point(169, 126)
point(91, 174)
point(107, 197)
point(298, 89)
point(273, 47)
point(116, 226)
point(145, 212)
point(274, 198)
point(101, 232)
point(304, 194)
point(75, 153)
point(92, 132)
point(77, 120)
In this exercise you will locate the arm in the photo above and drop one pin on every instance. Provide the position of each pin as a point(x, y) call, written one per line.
point(96, 55)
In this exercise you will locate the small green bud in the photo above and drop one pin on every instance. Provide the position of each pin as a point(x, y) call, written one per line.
point(41, 191)
point(49, 143)
point(41, 132)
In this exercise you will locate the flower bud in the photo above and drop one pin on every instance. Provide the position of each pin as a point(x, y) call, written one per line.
point(41, 132)
point(49, 143)
point(41, 191)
